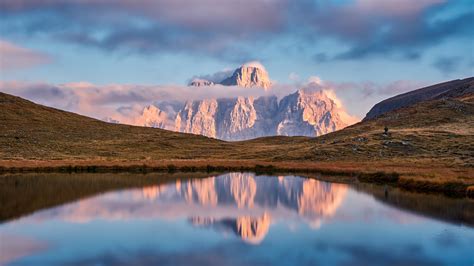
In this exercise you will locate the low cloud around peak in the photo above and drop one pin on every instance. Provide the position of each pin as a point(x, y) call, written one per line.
point(255, 64)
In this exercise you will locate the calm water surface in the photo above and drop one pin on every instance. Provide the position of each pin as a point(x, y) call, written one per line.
point(237, 219)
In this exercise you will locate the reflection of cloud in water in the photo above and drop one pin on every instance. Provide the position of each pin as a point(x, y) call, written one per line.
point(242, 201)
point(14, 247)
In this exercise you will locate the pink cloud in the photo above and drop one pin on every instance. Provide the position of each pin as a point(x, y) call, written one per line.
point(204, 14)
point(394, 7)
point(15, 247)
point(13, 56)
point(125, 102)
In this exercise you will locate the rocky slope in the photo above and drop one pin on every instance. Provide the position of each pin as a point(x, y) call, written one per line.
point(453, 88)
point(152, 116)
point(308, 113)
point(247, 76)
point(303, 113)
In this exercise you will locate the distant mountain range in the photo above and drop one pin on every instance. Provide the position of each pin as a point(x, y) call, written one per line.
point(303, 113)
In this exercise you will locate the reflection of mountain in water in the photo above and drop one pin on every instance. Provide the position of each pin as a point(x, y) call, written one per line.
point(240, 203)
point(251, 229)
point(311, 199)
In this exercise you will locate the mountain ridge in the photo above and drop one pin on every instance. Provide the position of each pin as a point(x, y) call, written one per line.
point(302, 113)
point(451, 88)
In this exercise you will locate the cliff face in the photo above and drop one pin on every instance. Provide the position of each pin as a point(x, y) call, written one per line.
point(312, 200)
point(198, 117)
point(306, 113)
point(446, 89)
point(302, 113)
point(248, 76)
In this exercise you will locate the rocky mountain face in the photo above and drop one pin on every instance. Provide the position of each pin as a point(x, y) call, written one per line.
point(303, 113)
point(247, 76)
point(452, 88)
point(152, 116)
point(308, 114)
point(312, 200)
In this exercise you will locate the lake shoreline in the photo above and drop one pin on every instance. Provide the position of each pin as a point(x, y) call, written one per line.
point(416, 177)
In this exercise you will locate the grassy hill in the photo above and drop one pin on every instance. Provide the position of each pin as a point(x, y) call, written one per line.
point(430, 139)
point(441, 130)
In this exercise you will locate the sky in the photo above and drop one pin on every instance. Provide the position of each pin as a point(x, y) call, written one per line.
point(94, 57)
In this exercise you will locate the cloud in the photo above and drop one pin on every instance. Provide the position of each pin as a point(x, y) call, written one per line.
point(447, 64)
point(315, 83)
point(124, 102)
point(13, 56)
point(221, 15)
point(359, 97)
point(367, 89)
point(225, 73)
point(208, 27)
point(398, 8)
point(294, 77)
point(239, 30)
point(366, 255)
point(401, 28)
point(255, 64)
point(121, 101)
point(215, 77)
point(209, 254)
point(19, 247)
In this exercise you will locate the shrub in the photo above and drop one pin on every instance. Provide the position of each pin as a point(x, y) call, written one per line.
point(264, 169)
point(379, 177)
point(171, 168)
point(470, 191)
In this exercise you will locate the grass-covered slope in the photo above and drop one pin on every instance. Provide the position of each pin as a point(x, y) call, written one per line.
point(440, 130)
point(32, 131)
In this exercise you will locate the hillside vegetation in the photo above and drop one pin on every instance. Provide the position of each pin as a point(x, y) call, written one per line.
point(441, 130)
point(433, 139)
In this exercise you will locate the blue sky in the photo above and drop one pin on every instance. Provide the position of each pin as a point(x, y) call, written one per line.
point(358, 45)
